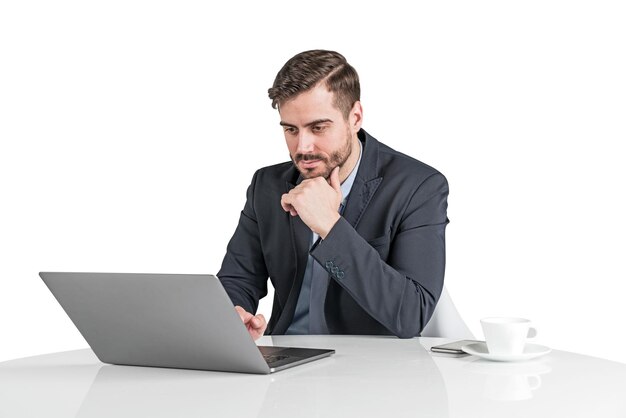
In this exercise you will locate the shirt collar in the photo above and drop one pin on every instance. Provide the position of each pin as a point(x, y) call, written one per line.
point(346, 186)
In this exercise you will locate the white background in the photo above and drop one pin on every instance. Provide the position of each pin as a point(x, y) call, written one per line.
point(130, 130)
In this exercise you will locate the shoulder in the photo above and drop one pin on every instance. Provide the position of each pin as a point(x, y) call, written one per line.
point(271, 181)
point(275, 173)
point(396, 166)
point(416, 188)
point(390, 158)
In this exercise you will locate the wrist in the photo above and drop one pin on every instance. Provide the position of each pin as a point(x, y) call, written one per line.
point(326, 229)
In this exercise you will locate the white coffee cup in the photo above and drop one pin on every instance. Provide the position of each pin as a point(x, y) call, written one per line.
point(507, 336)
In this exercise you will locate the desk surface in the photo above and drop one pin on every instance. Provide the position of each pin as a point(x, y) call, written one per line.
point(369, 376)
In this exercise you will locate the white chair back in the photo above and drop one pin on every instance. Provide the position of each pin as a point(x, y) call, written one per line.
point(446, 321)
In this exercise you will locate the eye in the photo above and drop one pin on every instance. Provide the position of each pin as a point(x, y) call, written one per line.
point(318, 128)
point(290, 130)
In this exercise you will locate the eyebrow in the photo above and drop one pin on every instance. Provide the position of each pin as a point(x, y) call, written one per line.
point(315, 122)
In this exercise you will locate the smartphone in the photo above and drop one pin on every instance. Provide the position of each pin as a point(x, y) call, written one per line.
point(452, 348)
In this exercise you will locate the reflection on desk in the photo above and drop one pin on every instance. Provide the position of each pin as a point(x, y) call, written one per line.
point(369, 376)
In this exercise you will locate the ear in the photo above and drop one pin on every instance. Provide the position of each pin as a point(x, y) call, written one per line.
point(356, 116)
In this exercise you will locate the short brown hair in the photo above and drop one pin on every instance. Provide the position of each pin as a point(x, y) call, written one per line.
point(305, 70)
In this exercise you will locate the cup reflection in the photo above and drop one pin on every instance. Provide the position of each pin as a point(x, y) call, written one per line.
point(509, 381)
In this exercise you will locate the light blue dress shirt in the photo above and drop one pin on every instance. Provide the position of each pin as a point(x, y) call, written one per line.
point(309, 315)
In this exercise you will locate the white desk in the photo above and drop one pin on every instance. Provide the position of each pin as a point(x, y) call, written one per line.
point(369, 376)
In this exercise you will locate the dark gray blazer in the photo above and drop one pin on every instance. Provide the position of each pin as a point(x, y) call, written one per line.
point(385, 255)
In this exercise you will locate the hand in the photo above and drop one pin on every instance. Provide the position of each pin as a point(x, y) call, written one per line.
point(255, 324)
point(316, 201)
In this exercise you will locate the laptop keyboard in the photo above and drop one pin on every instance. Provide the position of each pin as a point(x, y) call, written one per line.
point(269, 358)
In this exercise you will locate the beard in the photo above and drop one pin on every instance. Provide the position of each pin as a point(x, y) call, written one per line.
point(328, 163)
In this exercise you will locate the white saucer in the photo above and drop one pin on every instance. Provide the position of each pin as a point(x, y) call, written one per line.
point(530, 351)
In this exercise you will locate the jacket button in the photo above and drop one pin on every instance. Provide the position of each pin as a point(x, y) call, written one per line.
point(329, 264)
point(335, 269)
point(340, 275)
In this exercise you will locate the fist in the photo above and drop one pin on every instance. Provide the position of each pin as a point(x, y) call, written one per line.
point(316, 201)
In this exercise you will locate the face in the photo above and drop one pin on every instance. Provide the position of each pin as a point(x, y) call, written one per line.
point(318, 136)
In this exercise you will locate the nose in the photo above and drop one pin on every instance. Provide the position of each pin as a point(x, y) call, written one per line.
point(306, 143)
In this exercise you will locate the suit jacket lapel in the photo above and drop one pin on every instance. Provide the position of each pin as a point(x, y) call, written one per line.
point(366, 182)
point(359, 198)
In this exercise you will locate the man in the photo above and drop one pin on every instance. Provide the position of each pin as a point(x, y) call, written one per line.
point(351, 233)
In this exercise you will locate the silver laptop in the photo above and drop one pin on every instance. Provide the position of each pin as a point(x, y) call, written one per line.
point(182, 321)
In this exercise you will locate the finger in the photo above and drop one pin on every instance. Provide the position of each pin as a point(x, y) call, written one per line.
point(334, 179)
point(288, 207)
point(258, 321)
point(256, 334)
point(257, 330)
point(283, 203)
point(243, 314)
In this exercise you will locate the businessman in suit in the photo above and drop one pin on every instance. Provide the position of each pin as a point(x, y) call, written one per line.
point(350, 232)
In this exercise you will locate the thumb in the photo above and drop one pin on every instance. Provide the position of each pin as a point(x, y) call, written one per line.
point(334, 179)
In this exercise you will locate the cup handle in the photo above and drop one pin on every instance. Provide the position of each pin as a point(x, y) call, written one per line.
point(532, 332)
point(534, 382)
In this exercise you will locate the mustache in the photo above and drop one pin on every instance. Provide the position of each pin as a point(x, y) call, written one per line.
point(308, 157)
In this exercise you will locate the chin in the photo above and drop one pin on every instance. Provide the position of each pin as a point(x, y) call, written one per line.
point(317, 172)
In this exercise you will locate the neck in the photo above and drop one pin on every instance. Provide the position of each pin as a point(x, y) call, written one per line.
point(350, 163)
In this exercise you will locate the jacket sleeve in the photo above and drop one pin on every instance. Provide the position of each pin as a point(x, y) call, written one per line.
point(402, 291)
point(244, 273)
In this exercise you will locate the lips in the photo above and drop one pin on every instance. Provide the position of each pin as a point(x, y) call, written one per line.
point(310, 163)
